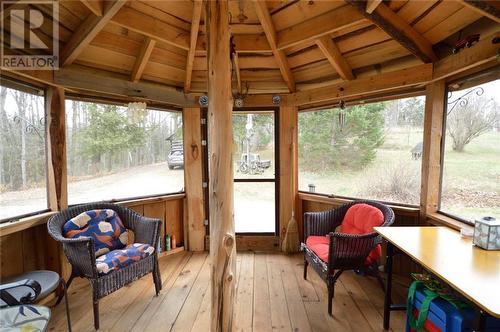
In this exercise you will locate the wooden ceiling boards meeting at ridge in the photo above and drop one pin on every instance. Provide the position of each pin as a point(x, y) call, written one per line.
point(311, 45)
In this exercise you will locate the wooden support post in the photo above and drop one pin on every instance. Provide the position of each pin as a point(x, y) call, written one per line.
point(288, 165)
point(222, 239)
point(435, 101)
point(56, 149)
point(57, 185)
point(193, 178)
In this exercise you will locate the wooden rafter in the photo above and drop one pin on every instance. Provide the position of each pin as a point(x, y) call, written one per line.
point(371, 5)
point(236, 64)
point(489, 9)
point(332, 53)
point(195, 27)
point(327, 23)
point(95, 6)
point(152, 27)
point(268, 26)
point(399, 30)
point(87, 30)
point(142, 59)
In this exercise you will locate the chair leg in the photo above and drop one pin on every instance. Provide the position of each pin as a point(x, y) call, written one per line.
point(65, 292)
point(380, 281)
point(66, 287)
point(331, 290)
point(157, 278)
point(96, 314)
point(306, 263)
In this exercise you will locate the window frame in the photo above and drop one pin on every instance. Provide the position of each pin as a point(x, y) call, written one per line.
point(90, 99)
point(362, 102)
point(14, 84)
point(467, 79)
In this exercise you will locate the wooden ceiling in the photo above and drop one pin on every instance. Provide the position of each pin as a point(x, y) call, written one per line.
point(280, 46)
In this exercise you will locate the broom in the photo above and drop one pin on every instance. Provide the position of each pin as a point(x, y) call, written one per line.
point(291, 241)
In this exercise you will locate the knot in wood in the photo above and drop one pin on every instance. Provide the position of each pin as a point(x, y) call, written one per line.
point(228, 241)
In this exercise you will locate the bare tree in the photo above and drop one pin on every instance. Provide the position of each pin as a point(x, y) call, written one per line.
point(471, 119)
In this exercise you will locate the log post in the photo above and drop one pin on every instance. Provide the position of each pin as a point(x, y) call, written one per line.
point(222, 239)
point(193, 178)
point(56, 149)
point(57, 185)
point(435, 99)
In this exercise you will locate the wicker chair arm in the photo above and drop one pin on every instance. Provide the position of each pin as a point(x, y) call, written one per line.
point(81, 255)
point(320, 223)
point(350, 250)
point(147, 230)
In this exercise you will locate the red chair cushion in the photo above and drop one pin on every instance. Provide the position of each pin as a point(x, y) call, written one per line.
point(359, 219)
point(319, 245)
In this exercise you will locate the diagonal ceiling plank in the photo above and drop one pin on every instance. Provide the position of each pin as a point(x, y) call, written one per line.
point(331, 22)
point(95, 6)
point(399, 30)
point(490, 9)
point(270, 32)
point(371, 5)
point(332, 53)
point(237, 70)
point(142, 59)
point(87, 30)
point(195, 27)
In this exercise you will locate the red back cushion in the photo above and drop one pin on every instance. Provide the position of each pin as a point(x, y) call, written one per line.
point(361, 218)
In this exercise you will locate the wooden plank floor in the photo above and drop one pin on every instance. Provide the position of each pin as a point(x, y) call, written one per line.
point(271, 296)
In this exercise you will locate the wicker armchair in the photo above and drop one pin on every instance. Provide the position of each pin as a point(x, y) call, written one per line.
point(345, 251)
point(81, 253)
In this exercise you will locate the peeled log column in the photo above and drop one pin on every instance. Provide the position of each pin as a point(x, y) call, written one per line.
point(222, 240)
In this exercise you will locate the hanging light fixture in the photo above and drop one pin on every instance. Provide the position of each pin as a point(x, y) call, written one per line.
point(137, 106)
point(342, 115)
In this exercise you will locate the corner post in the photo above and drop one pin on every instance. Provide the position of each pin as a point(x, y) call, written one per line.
point(288, 166)
point(193, 178)
point(56, 149)
point(222, 238)
point(435, 99)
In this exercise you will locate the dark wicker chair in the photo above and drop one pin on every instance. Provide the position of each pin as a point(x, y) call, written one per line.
point(346, 251)
point(81, 253)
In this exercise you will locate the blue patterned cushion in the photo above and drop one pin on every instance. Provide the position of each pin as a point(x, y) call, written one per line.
point(117, 259)
point(105, 226)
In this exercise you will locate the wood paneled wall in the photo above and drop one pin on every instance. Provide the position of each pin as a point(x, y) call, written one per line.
point(33, 248)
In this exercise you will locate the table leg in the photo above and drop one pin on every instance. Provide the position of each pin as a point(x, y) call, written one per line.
point(479, 321)
point(388, 286)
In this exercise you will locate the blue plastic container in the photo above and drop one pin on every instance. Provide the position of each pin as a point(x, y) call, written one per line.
point(448, 318)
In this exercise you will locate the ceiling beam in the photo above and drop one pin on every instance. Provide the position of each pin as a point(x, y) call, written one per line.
point(87, 30)
point(399, 30)
point(95, 6)
point(142, 59)
point(152, 27)
point(373, 84)
point(195, 27)
point(489, 9)
point(371, 5)
point(270, 32)
point(332, 53)
point(327, 23)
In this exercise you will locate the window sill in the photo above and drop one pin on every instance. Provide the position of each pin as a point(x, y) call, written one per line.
point(403, 210)
point(439, 219)
point(24, 223)
point(42, 218)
